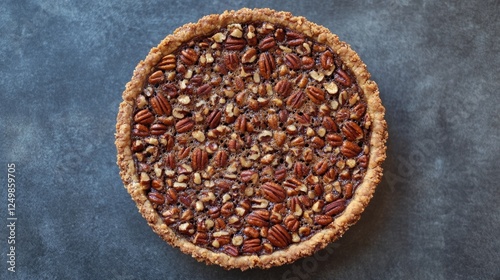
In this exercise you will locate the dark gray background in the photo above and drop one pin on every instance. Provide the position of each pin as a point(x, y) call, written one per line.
point(436, 215)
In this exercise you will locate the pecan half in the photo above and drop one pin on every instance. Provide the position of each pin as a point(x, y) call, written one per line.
point(334, 139)
point(316, 95)
point(220, 224)
point(292, 183)
point(321, 167)
point(227, 209)
point(350, 149)
point(201, 238)
point(221, 158)
point(251, 232)
point(241, 123)
point(352, 131)
point(279, 137)
point(186, 228)
point(272, 121)
point(317, 142)
point(249, 56)
point(232, 61)
point(308, 63)
point(137, 146)
point(363, 161)
point(140, 130)
point(199, 159)
point(189, 56)
point(167, 62)
point(296, 206)
point(186, 201)
point(300, 169)
point(221, 68)
point(234, 145)
point(280, 174)
point(156, 198)
point(230, 250)
point(342, 78)
point(279, 236)
point(144, 117)
point(348, 190)
point(283, 114)
point(323, 219)
point(342, 115)
point(235, 44)
point(156, 78)
point(213, 120)
point(283, 87)
point(158, 129)
point(330, 175)
point(169, 160)
point(160, 105)
point(296, 99)
point(294, 38)
point(258, 218)
point(308, 155)
point(291, 223)
point(205, 89)
point(168, 121)
point(280, 35)
point(223, 185)
point(326, 60)
point(266, 65)
point(171, 196)
point(184, 125)
point(171, 216)
point(251, 246)
point(247, 175)
point(358, 111)
point(267, 43)
point(293, 61)
point(214, 212)
point(335, 207)
point(345, 174)
point(222, 238)
point(196, 80)
point(329, 124)
point(168, 89)
point(298, 142)
point(273, 192)
point(169, 142)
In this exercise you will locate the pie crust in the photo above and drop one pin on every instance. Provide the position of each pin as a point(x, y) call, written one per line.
point(208, 25)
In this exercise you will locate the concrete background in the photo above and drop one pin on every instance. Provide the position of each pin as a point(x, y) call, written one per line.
point(436, 215)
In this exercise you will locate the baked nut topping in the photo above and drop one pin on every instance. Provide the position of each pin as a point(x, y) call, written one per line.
point(253, 140)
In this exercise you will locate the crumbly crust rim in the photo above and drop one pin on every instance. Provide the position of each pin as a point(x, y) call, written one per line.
point(206, 25)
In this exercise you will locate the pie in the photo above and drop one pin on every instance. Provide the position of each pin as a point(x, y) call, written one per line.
point(251, 138)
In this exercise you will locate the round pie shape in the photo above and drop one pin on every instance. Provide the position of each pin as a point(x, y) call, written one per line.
point(251, 138)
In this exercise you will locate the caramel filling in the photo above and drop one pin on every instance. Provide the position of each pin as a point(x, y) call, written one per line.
point(250, 139)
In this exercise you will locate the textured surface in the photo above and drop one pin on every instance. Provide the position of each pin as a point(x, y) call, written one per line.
point(435, 215)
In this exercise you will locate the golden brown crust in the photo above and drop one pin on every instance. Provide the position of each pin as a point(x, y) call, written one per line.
point(207, 25)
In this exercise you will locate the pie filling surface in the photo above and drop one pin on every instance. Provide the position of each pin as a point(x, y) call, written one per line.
point(249, 139)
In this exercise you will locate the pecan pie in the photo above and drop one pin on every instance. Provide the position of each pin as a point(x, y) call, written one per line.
point(251, 138)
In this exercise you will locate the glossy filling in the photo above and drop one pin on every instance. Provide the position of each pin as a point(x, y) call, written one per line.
point(250, 139)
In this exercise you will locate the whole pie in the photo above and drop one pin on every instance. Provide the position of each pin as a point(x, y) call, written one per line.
point(251, 138)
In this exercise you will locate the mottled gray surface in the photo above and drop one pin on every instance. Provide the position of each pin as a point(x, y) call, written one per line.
point(436, 215)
